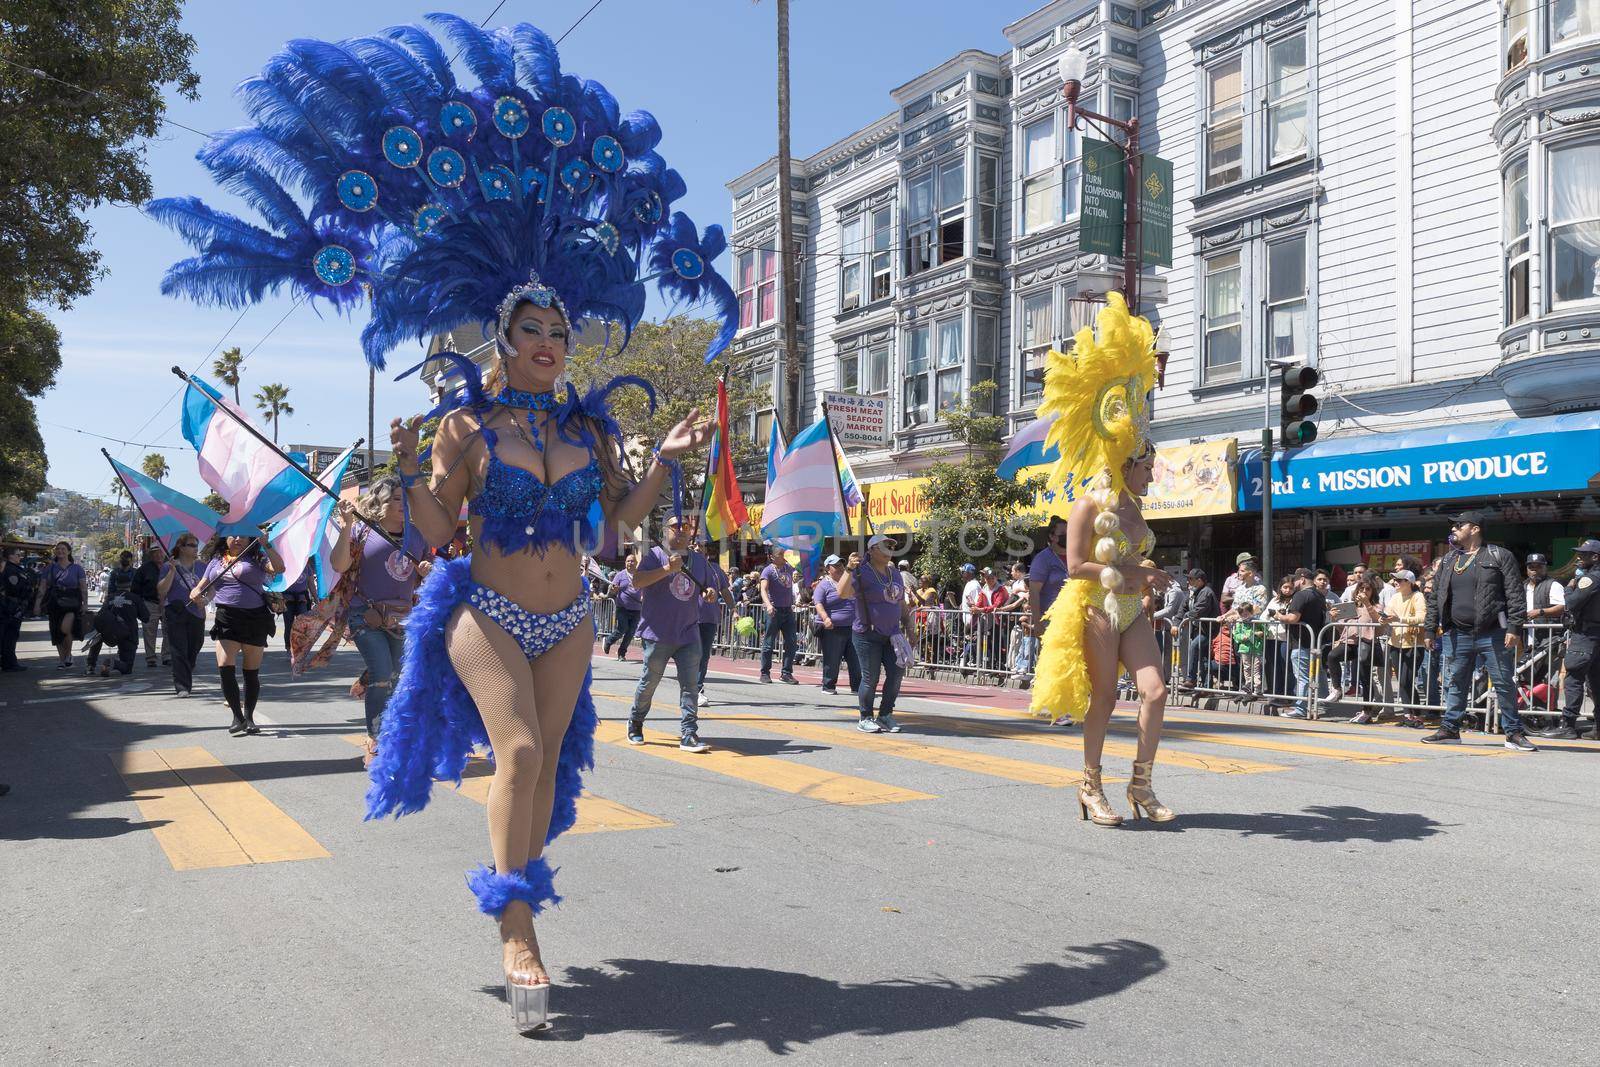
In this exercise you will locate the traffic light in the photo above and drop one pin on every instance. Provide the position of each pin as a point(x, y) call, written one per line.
point(1295, 427)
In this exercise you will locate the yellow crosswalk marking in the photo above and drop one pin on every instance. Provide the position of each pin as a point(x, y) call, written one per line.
point(595, 814)
point(786, 776)
point(1267, 723)
point(976, 762)
point(1206, 737)
point(213, 818)
point(1019, 730)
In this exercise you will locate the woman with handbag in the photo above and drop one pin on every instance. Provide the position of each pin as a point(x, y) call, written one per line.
point(236, 574)
point(65, 598)
point(386, 581)
point(882, 609)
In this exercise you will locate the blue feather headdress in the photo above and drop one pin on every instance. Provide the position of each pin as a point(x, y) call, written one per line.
point(379, 179)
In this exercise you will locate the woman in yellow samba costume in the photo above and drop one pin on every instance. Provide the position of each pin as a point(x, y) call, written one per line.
point(1099, 394)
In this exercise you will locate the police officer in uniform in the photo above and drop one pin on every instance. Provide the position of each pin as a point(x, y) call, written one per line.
point(1583, 636)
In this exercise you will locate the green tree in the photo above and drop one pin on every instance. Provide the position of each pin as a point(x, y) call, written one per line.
point(155, 466)
point(975, 516)
point(670, 355)
point(226, 368)
point(80, 91)
point(107, 544)
point(273, 400)
point(214, 501)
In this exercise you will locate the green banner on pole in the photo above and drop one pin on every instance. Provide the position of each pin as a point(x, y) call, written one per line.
point(1155, 210)
point(1100, 220)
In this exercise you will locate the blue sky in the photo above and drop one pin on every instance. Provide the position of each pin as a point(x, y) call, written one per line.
point(704, 68)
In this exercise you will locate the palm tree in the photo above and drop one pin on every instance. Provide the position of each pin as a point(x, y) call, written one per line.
point(273, 400)
point(226, 368)
point(118, 490)
point(155, 466)
point(215, 502)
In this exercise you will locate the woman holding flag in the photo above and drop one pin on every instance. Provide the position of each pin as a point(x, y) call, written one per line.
point(237, 571)
point(185, 620)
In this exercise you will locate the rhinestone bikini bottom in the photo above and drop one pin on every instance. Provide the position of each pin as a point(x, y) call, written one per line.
point(535, 634)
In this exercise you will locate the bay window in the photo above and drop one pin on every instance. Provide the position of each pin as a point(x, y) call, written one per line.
point(1518, 21)
point(758, 286)
point(1574, 273)
point(1518, 243)
point(1224, 316)
point(1286, 299)
point(1050, 163)
point(936, 216)
point(1038, 328)
point(1288, 85)
point(915, 388)
point(865, 370)
point(1573, 20)
point(763, 406)
point(1224, 134)
point(951, 365)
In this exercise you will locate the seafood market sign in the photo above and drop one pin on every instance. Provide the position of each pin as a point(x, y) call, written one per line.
point(1491, 464)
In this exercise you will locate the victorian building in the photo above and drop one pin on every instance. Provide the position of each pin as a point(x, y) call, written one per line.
point(1405, 195)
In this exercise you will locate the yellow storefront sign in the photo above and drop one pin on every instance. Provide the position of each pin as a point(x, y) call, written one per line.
point(901, 504)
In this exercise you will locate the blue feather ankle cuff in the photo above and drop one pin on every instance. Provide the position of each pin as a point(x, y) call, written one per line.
point(534, 885)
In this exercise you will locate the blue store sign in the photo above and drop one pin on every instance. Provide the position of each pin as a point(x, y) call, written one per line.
point(1517, 457)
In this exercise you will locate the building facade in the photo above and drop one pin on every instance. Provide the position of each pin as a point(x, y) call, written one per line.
point(1404, 195)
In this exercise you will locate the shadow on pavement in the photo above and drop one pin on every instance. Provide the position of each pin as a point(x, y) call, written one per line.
point(1318, 825)
point(716, 1006)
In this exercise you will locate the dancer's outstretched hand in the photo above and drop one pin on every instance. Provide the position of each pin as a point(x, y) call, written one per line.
point(404, 435)
point(690, 435)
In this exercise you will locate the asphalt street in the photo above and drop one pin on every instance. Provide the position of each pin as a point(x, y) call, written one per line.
point(1329, 894)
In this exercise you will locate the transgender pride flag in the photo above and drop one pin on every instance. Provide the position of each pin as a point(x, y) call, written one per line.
point(1028, 449)
point(803, 503)
point(301, 536)
point(168, 511)
point(258, 481)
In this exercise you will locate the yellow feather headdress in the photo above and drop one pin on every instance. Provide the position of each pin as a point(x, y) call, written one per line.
point(1099, 393)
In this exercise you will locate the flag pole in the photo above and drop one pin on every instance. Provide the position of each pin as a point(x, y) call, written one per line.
point(259, 436)
point(187, 585)
point(833, 460)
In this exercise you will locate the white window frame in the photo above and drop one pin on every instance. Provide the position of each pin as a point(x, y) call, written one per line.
point(880, 255)
point(949, 364)
point(988, 206)
point(1286, 303)
point(869, 365)
point(1213, 265)
point(1516, 33)
point(983, 353)
point(1281, 99)
point(1517, 241)
point(922, 252)
point(1055, 178)
point(1220, 114)
point(1582, 11)
point(852, 261)
point(1555, 227)
point(917, 380)
point(1035, 352)
point(760, 419)
point(952, 212)
point(759, 285)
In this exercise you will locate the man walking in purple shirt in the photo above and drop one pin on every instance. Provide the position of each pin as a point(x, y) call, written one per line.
point(670, 629)
point(777, 595)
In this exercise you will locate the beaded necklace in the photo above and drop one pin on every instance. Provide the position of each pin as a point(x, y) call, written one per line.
point(534, 402)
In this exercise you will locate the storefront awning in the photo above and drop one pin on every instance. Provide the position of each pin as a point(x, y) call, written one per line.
point(1516, 457)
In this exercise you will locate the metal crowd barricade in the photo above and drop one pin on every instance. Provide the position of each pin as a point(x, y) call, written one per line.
point(1540, 672)
point(989, 646)
point(1205, 662)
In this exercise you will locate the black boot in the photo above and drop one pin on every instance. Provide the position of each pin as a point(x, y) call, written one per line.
point(1567, 731)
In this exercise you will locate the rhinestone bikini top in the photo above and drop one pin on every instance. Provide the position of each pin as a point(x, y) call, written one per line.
point(519, 512)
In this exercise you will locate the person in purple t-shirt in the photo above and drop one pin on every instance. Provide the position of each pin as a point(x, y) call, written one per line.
point(777, 595)
point(671, 631)
point(837, 616)
point(386, 585)
point(713, 593)
point(237, 571)
point(185, 620)
point(882, 609)
point(66, 600)
point(628, 600)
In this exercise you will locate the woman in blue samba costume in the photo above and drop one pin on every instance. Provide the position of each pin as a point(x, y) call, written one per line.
point(530, 205)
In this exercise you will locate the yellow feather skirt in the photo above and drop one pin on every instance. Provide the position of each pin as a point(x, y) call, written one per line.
point(1061, 677)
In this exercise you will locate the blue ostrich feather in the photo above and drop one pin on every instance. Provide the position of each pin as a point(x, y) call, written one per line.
point(706, 287)
point(435, 243)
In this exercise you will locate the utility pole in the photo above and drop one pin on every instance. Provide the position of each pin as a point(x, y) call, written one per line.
point(787, 261)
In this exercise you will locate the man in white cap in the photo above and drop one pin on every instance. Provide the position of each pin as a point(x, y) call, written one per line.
point(837, 616)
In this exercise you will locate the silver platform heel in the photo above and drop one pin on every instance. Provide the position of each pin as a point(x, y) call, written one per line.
point(530, 1006)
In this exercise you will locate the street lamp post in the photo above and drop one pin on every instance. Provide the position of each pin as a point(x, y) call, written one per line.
point(1074, 64)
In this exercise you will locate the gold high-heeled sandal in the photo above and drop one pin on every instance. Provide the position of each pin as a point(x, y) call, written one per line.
point(1140, 796)
point(1092, 803)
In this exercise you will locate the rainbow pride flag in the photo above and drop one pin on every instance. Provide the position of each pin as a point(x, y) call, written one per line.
point(722, 505)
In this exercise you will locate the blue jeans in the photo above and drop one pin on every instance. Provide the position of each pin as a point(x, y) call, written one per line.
point(876, 655)
point(623, 629)
point(380, 651)
point(1300, 661)
point(708, 641)
point(686, 659)
point(1462, 652)
point(838, 644)
point(780, 622)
